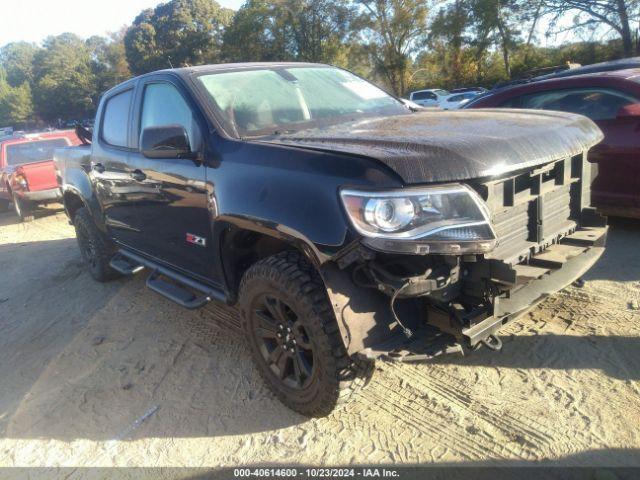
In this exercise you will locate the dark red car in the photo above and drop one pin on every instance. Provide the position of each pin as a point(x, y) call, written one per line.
point(27, 172)
point(612, 101)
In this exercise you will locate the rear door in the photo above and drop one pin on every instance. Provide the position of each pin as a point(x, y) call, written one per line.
point(172, 211)
point(111, 173)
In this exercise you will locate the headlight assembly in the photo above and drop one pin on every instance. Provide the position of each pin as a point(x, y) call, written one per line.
point(447, 219)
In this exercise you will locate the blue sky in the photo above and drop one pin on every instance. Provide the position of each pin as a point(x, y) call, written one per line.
point(33, 20)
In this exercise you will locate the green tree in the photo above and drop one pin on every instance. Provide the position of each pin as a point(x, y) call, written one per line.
point(16, 105)
point(176, 33)
point(17, 59)
point(64, 83)
point(394, 30)
point(304, 30)
point(256, 34)
point(109, 62)
point(448, 35)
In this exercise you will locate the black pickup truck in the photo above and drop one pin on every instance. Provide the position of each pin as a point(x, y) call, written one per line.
point(344, 226)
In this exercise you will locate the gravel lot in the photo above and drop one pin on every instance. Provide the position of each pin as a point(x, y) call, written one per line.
point(115, 375)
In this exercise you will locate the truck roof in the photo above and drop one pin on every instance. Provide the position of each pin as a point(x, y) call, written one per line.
point(186, 72)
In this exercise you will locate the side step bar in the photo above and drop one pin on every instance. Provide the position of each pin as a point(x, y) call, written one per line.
point(179, 288)
point(125, 266)
point(176, 293)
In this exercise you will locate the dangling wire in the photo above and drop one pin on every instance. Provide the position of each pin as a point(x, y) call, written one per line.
point(407, 331)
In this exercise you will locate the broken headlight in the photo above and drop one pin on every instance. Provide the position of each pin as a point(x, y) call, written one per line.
point(447, 219)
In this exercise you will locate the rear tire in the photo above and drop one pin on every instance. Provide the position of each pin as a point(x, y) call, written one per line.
point(4, 206)
point(95, 248)
point(23, 209)
point(294, 338)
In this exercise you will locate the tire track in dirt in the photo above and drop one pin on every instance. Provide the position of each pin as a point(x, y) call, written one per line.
point(426, 419)
point(511, 435)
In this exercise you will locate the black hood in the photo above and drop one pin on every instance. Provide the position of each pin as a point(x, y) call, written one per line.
point(449, 146)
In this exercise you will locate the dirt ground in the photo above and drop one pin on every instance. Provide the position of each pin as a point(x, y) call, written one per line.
point(114, 375)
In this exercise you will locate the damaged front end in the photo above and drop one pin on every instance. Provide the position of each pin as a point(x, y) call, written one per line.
point(403, 299)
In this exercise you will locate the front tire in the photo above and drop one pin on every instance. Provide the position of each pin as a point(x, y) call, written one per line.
point(294, 338)
point(23, 209)
point(94, 246)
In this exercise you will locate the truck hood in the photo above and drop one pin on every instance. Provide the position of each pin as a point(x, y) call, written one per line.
point(460, 145)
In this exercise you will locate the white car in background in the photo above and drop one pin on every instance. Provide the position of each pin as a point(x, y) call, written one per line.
point(428, 98)
point(457, 100)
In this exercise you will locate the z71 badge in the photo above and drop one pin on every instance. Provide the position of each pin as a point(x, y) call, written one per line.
point(196, 240)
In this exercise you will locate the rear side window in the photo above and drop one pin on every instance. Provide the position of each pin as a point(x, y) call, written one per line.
point(595, 103)
point(115, 120)
point(31, 152)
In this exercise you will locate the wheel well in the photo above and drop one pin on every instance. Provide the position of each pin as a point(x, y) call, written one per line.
point(72, 203)
point(242, 248)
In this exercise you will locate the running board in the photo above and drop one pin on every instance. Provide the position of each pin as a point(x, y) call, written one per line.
point(183, 290)
point(176, 293)
point(124, 265)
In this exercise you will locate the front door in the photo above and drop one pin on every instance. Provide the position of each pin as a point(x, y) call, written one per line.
point(172, 206)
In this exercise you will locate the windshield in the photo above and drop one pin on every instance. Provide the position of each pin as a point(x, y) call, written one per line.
point(280, 100)
point(31, 152)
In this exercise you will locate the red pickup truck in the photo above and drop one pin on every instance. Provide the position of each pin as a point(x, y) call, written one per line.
point(27, 172)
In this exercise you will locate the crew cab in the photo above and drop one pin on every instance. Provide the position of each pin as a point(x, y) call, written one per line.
point(342, 225)
point(27, 174)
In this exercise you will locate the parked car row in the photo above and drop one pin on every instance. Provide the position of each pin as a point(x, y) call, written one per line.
point(444, 99)
point(27, 173)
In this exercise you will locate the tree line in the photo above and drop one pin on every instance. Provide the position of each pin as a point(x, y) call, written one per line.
point(399, 44)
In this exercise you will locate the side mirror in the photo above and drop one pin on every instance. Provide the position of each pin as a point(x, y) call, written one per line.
point(629, 111)
point(166, 141)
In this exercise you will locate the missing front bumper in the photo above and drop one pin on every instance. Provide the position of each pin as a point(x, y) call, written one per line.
point(369, 330)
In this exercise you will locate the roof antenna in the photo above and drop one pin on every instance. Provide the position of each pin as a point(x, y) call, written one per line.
point(169, 60)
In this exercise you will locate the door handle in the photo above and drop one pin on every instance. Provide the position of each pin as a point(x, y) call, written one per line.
point(138, 175)
point(98, 167)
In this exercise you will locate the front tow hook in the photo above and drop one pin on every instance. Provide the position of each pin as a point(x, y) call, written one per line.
point(492, 343)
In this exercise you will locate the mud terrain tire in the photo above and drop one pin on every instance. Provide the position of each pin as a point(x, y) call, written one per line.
point(285, 295)
point(95, 248)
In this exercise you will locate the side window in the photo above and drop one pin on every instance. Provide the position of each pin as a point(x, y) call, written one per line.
point(512, 103)
point(595, 103)
point(164, 105)
point(115, 119)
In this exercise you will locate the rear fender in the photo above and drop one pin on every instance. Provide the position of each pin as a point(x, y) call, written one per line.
point(77, 183)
